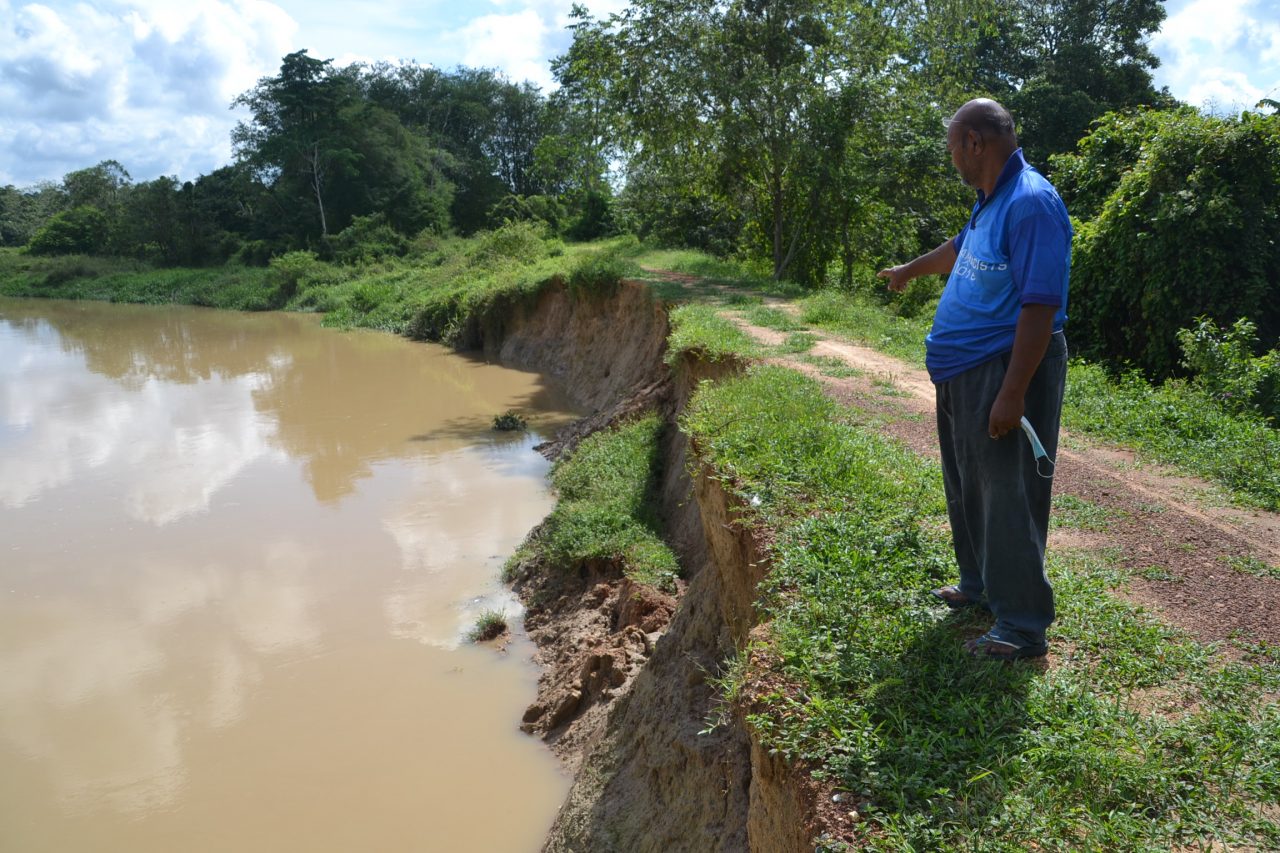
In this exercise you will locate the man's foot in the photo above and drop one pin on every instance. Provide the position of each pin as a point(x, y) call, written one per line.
point(996, 648)
point(955, 599)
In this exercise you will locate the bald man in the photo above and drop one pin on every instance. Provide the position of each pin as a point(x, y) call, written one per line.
point(997, 352)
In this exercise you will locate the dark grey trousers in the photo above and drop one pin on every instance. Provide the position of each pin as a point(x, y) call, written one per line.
point(997, 501)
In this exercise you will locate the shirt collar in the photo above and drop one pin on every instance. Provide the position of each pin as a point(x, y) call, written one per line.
point(1012, 168)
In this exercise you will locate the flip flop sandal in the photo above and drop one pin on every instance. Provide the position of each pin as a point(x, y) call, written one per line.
point(995, 648)
point(955, 599)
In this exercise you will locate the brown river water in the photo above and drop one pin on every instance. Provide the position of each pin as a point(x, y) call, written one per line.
point(238, 554)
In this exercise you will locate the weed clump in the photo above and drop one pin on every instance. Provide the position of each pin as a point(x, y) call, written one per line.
point(510, 421)
point(490, 625)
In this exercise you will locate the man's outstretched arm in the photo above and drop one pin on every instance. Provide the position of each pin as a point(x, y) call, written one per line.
point(938, 262)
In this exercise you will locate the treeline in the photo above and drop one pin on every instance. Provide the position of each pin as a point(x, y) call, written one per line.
point(389, 150)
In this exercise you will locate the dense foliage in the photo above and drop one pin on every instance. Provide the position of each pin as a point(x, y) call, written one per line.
point(1187, 217)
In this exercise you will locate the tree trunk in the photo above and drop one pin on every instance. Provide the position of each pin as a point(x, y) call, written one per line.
point(317, 184)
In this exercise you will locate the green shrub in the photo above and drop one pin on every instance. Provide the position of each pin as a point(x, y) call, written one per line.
point(368, 239)
point(255, 253)
point(1189, 230)
point(81, 230)
point(288, 271)
point(515, 241)
point(1223, 365)
point(510, 421)
point(544, 209)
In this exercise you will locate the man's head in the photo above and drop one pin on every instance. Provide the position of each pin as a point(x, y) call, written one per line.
point(980, 137)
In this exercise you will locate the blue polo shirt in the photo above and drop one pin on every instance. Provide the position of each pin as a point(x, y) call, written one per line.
point(1014, 251)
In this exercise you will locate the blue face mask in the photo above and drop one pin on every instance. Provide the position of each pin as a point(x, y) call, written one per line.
point(1038, 449)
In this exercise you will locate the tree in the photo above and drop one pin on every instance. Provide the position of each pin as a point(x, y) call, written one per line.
point(299, 138)
point(103, 186)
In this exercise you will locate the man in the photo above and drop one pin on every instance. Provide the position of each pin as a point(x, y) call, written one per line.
point(996, 353)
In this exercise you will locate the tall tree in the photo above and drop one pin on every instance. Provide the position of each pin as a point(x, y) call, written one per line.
point(299, 138)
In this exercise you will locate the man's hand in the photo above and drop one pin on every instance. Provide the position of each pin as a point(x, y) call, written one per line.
point(898, 278)
point(938, 262)
point(1006, 414)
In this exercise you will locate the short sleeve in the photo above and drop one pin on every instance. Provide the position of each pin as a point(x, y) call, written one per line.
point(1040, 250)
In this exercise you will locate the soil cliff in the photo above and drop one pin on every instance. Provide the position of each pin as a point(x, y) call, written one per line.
point(627, 697)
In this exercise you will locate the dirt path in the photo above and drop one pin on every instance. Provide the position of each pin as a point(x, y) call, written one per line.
point(1189, 555)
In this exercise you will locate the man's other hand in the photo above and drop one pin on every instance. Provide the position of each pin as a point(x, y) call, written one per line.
point(1006, 414)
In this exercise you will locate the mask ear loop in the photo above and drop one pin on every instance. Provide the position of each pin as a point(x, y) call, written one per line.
point(1038, 450)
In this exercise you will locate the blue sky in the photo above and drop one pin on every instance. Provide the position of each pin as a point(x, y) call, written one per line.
point(148, 82)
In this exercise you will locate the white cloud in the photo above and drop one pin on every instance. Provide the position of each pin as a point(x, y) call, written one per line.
point(149, 82)
point(1220, 53)
point(514, 43)
point(146, 83)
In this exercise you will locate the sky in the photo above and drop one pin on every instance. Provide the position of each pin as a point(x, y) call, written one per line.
point(149, 82)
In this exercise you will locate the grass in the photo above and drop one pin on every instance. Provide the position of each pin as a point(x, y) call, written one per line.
point(1177, 425)
point(798, 342)
point(703, 330)
point(1171, 424)
point(1079, 514)
point(772, 318)
point(829, 365)
point(1136, 739)
point(862, 318)
point(607, 507)
point(753, 277)
point(118, 280)
point(444, 292)
point(1253, 566)
point(490, 625)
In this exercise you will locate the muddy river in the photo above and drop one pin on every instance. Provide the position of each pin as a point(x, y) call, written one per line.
point(238, 555)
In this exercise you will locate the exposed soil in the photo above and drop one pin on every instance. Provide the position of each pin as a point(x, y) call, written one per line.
point(1164, 527)
point(594, 630)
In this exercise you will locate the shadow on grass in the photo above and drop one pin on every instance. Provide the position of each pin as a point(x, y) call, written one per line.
point(950, 730)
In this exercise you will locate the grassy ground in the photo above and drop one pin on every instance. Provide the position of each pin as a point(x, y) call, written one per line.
point(607, 507)
point(1136, 739)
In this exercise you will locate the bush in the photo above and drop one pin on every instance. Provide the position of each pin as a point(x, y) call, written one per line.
point(1189, 230)
point(255, 253)
point(1223, 366)
point(515, 241)
point(544, 209)
point(368, 239)
point(79, 231)
point(288, 271)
